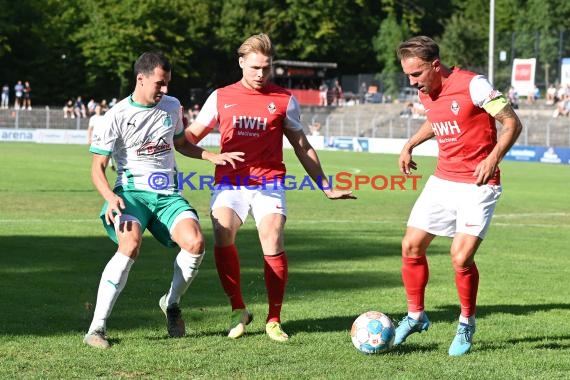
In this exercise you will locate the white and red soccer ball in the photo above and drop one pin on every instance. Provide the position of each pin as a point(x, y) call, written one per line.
point(373, 332)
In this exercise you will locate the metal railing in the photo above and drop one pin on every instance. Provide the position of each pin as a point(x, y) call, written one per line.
point(540, 128)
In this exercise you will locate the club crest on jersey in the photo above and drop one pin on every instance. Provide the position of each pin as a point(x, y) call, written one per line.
point(151, 148)
point(455, 107)
point(272, 108)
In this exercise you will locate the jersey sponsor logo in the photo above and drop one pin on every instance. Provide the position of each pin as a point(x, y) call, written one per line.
point(229, 105)
point(152, 148)
point(445, 128)
point(471, 225)
point(256, 123)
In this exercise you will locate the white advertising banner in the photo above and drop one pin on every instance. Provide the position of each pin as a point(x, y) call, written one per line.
point(522, 78)
point(565, 72)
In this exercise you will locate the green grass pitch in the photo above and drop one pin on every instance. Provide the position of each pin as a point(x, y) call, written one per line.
point(344, 259)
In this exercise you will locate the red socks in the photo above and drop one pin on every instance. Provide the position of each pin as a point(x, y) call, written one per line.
point(276, 273)
point(415, 274)
point(467, 282)
point(227, 264)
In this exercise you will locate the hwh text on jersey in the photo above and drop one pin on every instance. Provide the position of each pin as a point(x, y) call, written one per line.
point(445, 128)
point(247, 122)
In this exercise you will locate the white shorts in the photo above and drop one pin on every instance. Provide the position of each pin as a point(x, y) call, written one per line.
point(257, 202)
point(445, 208)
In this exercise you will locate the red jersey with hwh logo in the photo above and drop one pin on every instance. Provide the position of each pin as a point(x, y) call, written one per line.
point(465, 132)
point(252, 122)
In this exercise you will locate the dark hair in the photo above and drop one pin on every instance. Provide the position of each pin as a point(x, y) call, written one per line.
point(149, 60)
point(420, 46)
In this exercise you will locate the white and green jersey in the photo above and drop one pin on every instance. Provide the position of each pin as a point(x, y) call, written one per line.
point(140, 139)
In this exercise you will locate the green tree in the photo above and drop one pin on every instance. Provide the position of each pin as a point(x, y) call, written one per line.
point(385, 43)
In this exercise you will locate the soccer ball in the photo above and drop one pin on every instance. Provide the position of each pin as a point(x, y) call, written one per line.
point(373, 332)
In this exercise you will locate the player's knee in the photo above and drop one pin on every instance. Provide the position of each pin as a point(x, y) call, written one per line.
point(129, 248)
point(461, 261)
point(194, 244)
point(410, 249)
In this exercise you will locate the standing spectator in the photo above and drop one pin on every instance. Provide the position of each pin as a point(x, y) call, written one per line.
point(253, 115)
point(323, 94)
point(19, 94)
point(337, 94)
point(458, 201)
point(5, 96)
point(27, 96)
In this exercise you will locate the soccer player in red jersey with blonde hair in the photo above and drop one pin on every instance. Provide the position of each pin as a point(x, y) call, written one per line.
point(458, 201)
point(253, 115)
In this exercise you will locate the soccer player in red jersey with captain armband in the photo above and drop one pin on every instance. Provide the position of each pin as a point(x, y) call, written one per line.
point(459, 199)
point(253, 115)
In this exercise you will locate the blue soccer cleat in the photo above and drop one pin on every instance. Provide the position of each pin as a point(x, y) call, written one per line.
point(463, 339)
point(408, 326)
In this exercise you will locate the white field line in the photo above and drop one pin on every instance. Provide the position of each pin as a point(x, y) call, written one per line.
point(331, 221)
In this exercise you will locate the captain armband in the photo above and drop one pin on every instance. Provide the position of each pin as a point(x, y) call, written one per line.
point(494, 106)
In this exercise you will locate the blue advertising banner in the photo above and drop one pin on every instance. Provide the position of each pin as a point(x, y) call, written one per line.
point(543, 154)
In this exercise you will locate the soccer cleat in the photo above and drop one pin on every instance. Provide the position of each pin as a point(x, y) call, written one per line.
point(408, 326)
point(274, 331)
point(174, 322)
point(239, 319)
point(462, 342)
point(97, 339)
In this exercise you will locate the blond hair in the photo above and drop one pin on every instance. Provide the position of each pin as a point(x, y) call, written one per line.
point(258, 43)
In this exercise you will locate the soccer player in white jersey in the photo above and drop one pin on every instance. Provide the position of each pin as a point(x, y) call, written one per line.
point(459, 199)
point(141, 134)
point(253, 115)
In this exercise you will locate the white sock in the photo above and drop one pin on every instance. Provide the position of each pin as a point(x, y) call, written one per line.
point(417, 315)
point(185, 270)
point(467, 320)
point(113, 280)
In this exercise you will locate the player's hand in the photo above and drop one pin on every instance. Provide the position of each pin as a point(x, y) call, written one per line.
point(484, 171)
point(337, 194)
point(114, 207)
point(406, 164)
point(226, 158)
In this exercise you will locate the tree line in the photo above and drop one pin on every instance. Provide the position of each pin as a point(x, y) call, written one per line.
point(67, 48)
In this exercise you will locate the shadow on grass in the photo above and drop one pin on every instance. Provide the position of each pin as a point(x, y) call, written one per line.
point(49, 283)
point(449, 313)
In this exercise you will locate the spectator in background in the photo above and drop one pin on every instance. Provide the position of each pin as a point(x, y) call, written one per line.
point(68, 110)
point(113, 102)
point(562, 107)
point(513, 97)
point(338, 97)
point(551, 95)
point(91, 107)
point(79, 108)
point(193, 114)
point(104, 106)
point(27, 96)
point(19, 93)
point(323, 92)
point(5, 96)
